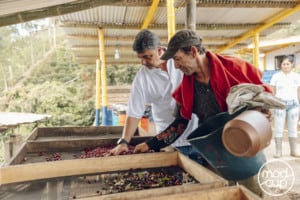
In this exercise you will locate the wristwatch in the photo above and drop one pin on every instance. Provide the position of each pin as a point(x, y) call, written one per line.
point(122, 141)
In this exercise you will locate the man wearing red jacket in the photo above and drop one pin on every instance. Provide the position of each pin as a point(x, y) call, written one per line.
point(207, 80)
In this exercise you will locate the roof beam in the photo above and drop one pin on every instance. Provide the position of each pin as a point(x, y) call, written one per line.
point(129, 47)
point(164, 26)
point(128, 38)
point(276, 48)
point(217, 3)
point(279, 42)
point(246, 4)
point(258, 29)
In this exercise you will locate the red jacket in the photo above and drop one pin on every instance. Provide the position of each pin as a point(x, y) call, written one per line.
point(226, 71)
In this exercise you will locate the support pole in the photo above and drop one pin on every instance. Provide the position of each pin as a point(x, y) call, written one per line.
point(191, 15)
point(256, 49)
point(150, 14)
point(106, 114)
point(171, 18)
point(98, 92)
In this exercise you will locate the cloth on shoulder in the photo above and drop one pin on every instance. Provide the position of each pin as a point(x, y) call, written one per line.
point(251, 95)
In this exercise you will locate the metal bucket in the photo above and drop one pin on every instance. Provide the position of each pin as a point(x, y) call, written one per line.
point(207, 139)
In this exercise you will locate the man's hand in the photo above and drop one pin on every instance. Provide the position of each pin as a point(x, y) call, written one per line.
point(141, 148)
point(118, 150)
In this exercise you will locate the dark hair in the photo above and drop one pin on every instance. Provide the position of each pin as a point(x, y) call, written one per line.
point(287, 57)
point(199, 47)
point(144, 40)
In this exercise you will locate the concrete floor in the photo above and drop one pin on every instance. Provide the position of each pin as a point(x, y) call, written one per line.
point(294, 163)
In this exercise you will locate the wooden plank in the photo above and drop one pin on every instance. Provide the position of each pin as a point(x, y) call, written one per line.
point(157, 192)
point(33, 135)
point(118, 89)
point(51, 190)
point(67, 145)
point(247, 194)
point(18, 158)
point(232, 193)
point(118, 95)
point(117, 100)
point(192, 167)
point(37, 171)
point(23, 191)
point(206, 178)
point(59, 188)
point(78, 131)
point(71, 144)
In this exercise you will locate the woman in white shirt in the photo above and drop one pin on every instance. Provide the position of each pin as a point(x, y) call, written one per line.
point(285, 84)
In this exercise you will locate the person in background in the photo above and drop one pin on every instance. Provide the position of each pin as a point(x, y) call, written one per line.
point(285, 85)
point(207, 80)
point(153, 84)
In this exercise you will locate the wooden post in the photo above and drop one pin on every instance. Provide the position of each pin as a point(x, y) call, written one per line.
point(12, 146)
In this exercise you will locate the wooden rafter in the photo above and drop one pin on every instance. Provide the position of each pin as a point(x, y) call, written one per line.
point(278, 17)
point(131, 38)
point(246, 4)
point(164, 26)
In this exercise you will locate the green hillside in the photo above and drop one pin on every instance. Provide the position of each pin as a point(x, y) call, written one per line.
point(38, 76)
point(55, 84)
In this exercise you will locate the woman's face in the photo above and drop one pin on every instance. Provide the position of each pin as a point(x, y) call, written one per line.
point(286, 66)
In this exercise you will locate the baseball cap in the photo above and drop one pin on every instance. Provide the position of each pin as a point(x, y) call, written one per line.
point(183, 38)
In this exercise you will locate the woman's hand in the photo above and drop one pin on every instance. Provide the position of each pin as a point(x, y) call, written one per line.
point(141, 148)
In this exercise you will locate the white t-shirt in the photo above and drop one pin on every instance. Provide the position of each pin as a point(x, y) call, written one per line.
point(155, 87)
point(286, 85)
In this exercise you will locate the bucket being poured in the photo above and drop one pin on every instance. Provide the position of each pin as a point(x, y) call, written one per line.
point(207, 139)
point(247, 134)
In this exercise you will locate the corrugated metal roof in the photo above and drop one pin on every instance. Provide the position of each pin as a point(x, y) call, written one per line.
point(15, 6)
point(218, 21)
point(12, 119)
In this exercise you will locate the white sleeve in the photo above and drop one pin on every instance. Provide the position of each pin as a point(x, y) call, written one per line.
point(273, 80)
point(298, 78)
point(136, 103)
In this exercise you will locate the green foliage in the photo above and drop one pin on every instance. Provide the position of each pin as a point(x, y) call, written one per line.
point(50, 97)
point(48, 91)
point(58, 86)
point(118, 75)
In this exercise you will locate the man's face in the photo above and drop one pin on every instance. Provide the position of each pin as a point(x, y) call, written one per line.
point(150, 58)
point(186, 62)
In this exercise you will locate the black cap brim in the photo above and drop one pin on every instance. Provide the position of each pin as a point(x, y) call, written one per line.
point(168, 54)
